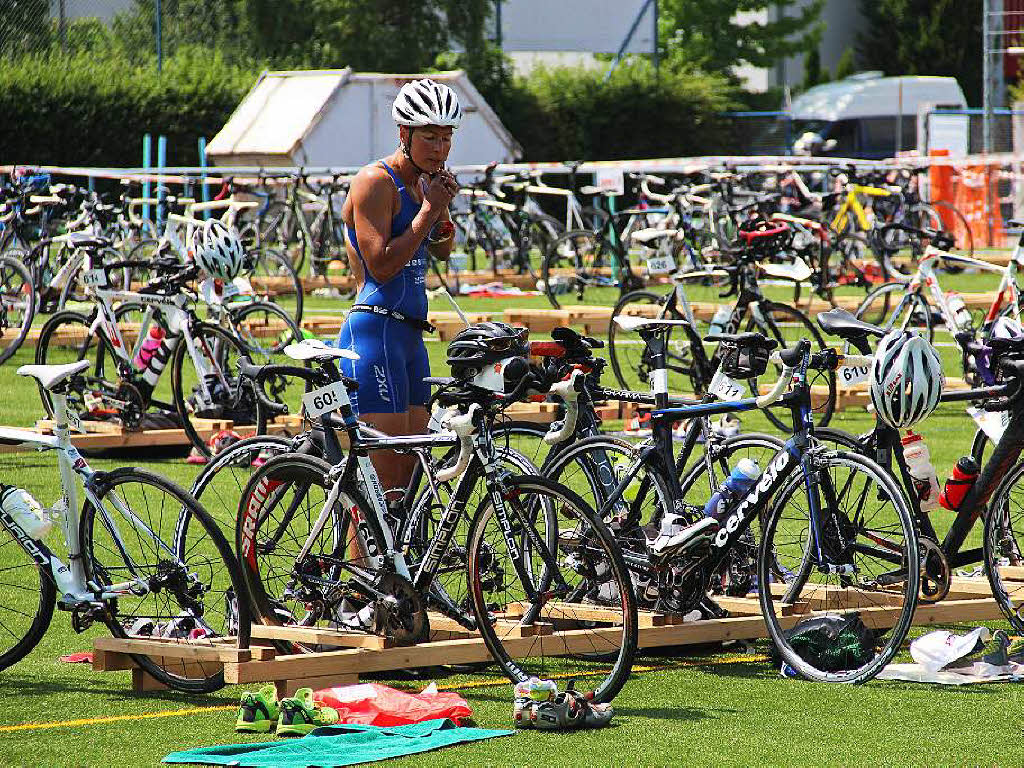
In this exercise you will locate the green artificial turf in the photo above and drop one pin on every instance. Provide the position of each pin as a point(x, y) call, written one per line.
point(706, 707)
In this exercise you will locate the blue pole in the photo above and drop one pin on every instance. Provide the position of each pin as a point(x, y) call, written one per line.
point(202, 178)
point(147, 154)
point(161, 190)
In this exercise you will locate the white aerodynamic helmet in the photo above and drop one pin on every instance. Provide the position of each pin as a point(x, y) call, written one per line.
point(217, 250)
point(426, 102)
point(906, 379)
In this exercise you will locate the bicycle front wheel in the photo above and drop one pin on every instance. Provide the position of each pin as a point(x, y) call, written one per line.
point(576, 264)
point(838, 569)
point(566, 615)
point(17, 305)
point(29, 596)
point(174, 575)
point(207, 390)
point(1004, 547)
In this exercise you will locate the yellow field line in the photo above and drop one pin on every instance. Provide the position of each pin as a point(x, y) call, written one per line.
point(453, 687)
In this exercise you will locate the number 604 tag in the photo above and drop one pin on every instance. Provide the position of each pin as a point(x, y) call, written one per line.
point(726, 388)
point(326, 399)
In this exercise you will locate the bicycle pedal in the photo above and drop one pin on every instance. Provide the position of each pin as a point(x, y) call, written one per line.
point(84, 615)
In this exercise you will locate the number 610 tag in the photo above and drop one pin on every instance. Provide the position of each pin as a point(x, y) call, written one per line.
point(326, 399)
point(726, 388)
point(848, 375)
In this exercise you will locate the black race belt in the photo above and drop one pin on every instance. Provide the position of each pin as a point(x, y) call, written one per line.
point(416, 322)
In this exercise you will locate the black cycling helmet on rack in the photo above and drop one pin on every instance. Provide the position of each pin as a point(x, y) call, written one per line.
point(482, 344)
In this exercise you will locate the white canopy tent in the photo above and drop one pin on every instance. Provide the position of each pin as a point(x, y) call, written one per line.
point(342, 119)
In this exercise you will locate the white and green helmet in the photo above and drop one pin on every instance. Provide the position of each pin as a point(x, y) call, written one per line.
point(906, 379)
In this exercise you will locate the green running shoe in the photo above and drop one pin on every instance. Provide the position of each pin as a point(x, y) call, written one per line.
point(258, 711)
point(300, 714)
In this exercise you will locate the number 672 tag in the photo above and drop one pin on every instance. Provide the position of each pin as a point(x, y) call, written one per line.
point(326, 399)
point(726, 388)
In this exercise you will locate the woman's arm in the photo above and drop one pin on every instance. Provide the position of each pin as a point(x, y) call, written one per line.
point(372, 195)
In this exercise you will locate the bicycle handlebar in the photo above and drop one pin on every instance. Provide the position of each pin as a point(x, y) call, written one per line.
point(463, 425)
point(569, 390)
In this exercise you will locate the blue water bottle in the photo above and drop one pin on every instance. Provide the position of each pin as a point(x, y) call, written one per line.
point(736, 485)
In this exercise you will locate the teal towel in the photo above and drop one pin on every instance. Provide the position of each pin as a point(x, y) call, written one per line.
point(337, 745)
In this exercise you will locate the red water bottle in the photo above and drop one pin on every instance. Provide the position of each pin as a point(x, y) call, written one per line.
point(959, 483)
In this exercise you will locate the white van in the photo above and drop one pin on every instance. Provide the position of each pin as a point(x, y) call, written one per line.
point(859, 113)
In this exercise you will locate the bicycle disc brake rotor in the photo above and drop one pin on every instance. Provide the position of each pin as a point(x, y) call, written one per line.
point(935, 572)
point(400, 616)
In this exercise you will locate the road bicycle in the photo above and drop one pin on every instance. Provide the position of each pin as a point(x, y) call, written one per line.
point(143, 558)
point(201, 355)
point(306, 225)
point(690, 368)
point(919, 302)
point(941, 555)
point(836, 539)
point(317, 545)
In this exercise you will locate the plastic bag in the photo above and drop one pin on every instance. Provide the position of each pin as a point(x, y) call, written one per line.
point(373, 704)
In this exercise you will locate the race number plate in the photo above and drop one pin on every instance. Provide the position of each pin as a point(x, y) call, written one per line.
point(848, 375)
point(727, 388)
point(661, 265)
point(326, 399)
point(75, 422)
point(94, 278)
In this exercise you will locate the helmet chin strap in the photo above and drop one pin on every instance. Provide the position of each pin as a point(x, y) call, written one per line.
point(407, 151)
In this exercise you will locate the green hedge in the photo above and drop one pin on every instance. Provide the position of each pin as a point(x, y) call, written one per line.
point(571, 113)
point(93, 111)
point(90, 111)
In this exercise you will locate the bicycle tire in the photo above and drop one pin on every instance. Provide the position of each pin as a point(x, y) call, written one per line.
point(962, 231)
point(620, 607)
point(257, 549)
point(230, 400)
point(793, 570)
point(207, 566)
point(16, 291)
point(582, 254)
point(242, 456)
point(20, 580)
point(290, 332)
point(1002, 547)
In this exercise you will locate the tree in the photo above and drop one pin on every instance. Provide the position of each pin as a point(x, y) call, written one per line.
point(846, 65)
point(25, 27)
point(719, 35)
point(924, 37)
point(813, 73)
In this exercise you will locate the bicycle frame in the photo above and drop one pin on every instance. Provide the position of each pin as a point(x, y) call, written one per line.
point(852, 203)
point(70, 577)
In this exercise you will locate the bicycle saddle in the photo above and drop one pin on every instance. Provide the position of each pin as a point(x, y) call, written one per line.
point(752, 339)
point(315, 349)
point(438, 381)
point(839, 322)
point(630, 323)
point(88, 241)
point(49, 376)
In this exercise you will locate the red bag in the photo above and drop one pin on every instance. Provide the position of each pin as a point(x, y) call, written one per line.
point(373, 704)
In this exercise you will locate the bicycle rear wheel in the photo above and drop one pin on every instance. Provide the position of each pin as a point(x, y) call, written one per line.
point(148, 532)
point(278, 509)
point(1004, 547)
point(838, 588)
point(17, 305)
point(275, 279)
point(578, 263)
point(890, 306)
point(572, 618)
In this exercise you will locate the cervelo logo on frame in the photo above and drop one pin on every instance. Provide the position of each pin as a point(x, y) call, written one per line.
point(768, 477)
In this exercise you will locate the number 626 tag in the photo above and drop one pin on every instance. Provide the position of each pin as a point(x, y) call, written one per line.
point(726, 388)
point(326, 399)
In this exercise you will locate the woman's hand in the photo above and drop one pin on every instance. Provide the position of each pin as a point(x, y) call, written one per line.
point(439, 191)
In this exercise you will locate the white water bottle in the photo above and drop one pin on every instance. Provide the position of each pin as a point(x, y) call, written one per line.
point(919, 464)
point(720, 319)
point(27, 512)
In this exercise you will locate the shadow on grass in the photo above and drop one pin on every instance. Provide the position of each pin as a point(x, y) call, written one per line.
point(118, 687)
